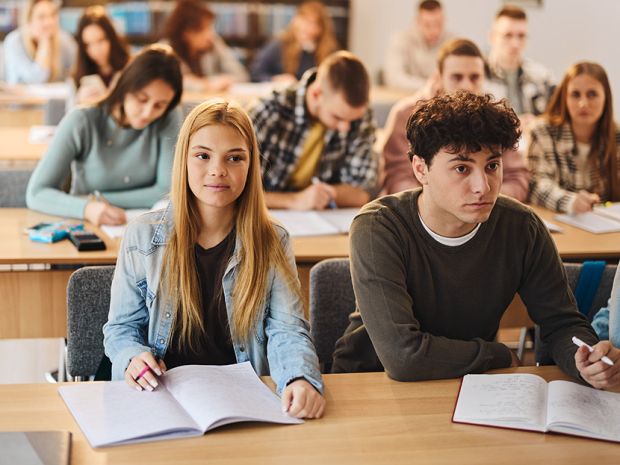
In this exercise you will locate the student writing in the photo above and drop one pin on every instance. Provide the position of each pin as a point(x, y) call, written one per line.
point(210, 279)
point(122, 146)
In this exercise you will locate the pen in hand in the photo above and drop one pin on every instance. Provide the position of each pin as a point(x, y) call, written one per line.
point(605, 359)
point(332, 202)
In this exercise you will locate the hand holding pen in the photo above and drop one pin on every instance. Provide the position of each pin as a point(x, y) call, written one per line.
point(98, 211)
point(143, 371)
point(597, 364)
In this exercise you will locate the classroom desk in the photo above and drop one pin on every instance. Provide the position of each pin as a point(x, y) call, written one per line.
point(369, 419)
point(16, 147)
point(33, 296)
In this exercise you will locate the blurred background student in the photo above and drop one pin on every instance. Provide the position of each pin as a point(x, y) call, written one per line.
point(208, 64)
point(410, 58)
point(308, 39)
point(573, 153)
point(38, 51)
point(102, 54)
point(122, 147)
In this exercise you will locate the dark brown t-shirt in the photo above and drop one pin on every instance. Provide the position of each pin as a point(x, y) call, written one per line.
point(215, 346)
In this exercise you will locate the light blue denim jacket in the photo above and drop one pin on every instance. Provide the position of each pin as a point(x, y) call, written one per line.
point(140, 320)
point(606, 322)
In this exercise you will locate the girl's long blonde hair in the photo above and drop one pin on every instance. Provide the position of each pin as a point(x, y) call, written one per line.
point(327, 43)
point(260, 245)
point(28, 41)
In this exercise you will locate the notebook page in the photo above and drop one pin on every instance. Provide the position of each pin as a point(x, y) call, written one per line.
point(117, 231)
point(583, 410)
point(590, 222)
point(341, 218)
point(611, 211)
point(511, 400)
point(304, 223)
point(217, 395)
point(112, 412)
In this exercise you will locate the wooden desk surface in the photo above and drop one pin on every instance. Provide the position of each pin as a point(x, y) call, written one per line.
point(16, 248)
point(17, 147)
point(369, 419)
point(576, 244)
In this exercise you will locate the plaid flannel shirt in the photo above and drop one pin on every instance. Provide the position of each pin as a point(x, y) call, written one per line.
point(535, 82)
point(556, 178)
point(282, 122)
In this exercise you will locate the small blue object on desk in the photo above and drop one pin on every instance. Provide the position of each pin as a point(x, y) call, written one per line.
point(53, 232)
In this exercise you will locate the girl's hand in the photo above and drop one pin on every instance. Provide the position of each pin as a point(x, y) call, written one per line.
point(301, 400)
point(142, 371)
point(98, 213)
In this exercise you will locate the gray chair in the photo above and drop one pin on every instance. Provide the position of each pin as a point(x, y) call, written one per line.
point(13, 185)
point(88, 303)
point(331, 302)
point(541, 351)
point(54, 111)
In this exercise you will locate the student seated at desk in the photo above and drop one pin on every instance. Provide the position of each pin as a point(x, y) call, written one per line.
point(208, 64)
point(575, 146)
point(211, 280)
point(102, 54)
point(39, 51)
point(435, 268)
point(316, 138)
point(304, 44)
point(461, 67)
point(121, 147)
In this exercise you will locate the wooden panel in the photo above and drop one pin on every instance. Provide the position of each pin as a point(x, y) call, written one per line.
point(33, 303)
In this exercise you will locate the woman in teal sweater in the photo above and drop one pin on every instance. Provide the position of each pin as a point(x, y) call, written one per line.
point(122, 147)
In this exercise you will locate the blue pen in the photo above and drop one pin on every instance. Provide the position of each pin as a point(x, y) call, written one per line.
point(332, 202)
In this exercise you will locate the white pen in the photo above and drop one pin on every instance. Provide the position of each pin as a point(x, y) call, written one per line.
point(578, 342)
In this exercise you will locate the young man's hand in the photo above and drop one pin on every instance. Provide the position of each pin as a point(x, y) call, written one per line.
point(596, 372)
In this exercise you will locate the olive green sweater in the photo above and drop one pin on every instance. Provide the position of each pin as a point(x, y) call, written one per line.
point(432, 311)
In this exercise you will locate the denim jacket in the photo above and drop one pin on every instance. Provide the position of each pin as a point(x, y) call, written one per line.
point(141, 320)
point(606, 322)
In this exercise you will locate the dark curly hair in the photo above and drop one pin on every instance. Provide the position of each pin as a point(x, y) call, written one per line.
point(461, 122)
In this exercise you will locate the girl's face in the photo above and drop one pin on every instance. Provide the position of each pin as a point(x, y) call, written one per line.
point(217, 166)
point(201, 40)
point(585, 99)
point(147, 104)
point(43, 21)
point(96, 44)
point(307, 29)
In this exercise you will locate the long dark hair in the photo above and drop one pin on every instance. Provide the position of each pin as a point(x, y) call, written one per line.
point(157, 61)
point(188, 15)
point(603, 150)
point(119, 51)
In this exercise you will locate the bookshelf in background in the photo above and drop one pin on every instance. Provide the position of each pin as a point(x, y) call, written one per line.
point(245, 25)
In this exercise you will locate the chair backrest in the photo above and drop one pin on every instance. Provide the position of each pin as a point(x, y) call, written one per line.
point(88, 303)
point(331, 302)
point(541, 351)
point(54, 111)
point(13, 185)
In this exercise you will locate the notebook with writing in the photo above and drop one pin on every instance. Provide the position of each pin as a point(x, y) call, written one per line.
point(528, 402)
point(35, 448)
point(189, 401)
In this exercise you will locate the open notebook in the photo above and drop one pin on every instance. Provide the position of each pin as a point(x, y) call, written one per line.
point(189, 401)
point(602, 219)
point(315, 223)
point(526, 401)
point(35, 448)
